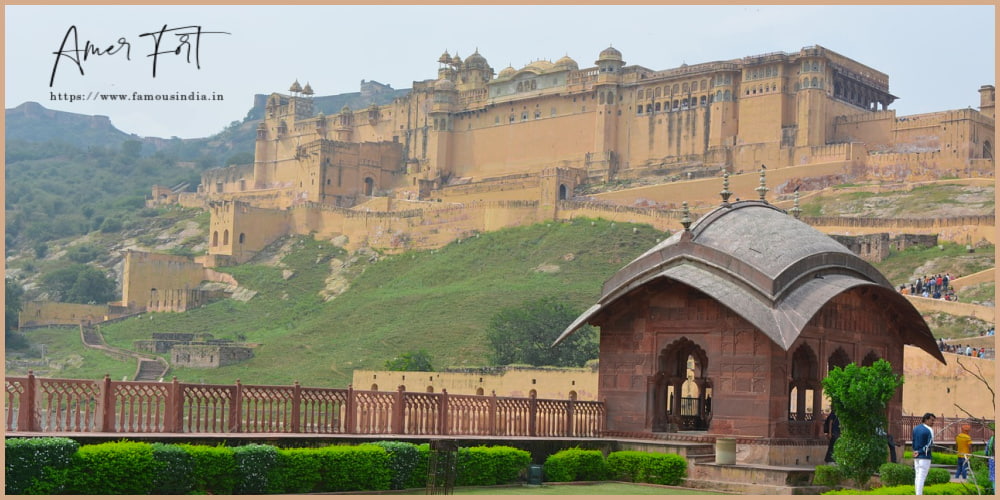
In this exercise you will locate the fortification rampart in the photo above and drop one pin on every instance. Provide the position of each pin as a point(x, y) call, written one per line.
point(44, 313)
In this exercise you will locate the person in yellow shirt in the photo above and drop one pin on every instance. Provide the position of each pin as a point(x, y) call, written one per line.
point(963, 444)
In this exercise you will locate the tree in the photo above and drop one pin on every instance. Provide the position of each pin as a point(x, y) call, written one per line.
point(418, 361)
point(859, 395)
point(524, 335)
point(81, 284)
point(12, 304)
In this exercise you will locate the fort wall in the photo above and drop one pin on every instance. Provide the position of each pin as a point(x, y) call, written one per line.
point(163, 282)
point(46, 313)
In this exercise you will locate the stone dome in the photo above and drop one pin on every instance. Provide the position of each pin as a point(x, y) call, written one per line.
point(445, 58)
point(295, 87)
point(540, 66)
point(507, 72)
point(610, 54)
point(771, 269)
point(444, 84)
point(566, 62)
point(476, 61)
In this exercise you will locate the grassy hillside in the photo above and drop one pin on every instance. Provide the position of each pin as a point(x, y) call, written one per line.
point(439, 300)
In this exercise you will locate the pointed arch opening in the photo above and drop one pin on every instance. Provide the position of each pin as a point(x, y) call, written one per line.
point(681, 391)
point(804, 390)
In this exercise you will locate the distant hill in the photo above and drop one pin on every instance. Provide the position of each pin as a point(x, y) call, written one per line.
point(33, 122)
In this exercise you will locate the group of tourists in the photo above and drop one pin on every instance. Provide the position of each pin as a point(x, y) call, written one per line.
point(966, 350)
point(933, 287)
point(923, 442)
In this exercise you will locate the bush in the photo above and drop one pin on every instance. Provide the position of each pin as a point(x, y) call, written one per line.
point(418, 478)
point(214, 469)
point(937, 476)
point(114, 468)
point(36, 466)
point(643, 467)
point(828, 475)
point(174, 470)
point(936, 489)
point(296, 470)
point(576, 464)
point(403, 460)
point(253, 465)
point(981, 470)
point(355, 468)
point(489, 465)
point(936, 458)
point(895, 474)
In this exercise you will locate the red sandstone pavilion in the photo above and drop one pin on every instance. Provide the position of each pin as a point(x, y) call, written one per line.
point(758, 306)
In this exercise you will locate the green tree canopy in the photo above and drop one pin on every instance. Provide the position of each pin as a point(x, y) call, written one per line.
point(80, 284)
point(859, 395)
point(418, 361)
point(524, 335)
point(12, 304)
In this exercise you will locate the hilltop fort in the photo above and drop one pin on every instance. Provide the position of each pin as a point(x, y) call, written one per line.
point(477, 150)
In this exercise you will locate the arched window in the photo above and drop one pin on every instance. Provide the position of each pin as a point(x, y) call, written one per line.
point(804, 389)
point(562, 192)
point(215, 239)
point(987, 150)
point(838, 359)
point(657, 108)
point(430, 388)
point(225, 237)
point(479, 391)
point(243, 238)
point(369, 186)
point(703, 101)
point(649, 108)
point(374, 387)
point(870, 359)
point(533, 394)
point(815, 82)
point(726, 96)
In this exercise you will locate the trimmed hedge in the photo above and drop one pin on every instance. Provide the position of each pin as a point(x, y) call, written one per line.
point(296, 470)
point(214, 468)
point(937, 458)
point(827, 475)
point(576, 464)
point(363, 467)
point(253, 464)
point(490, 465)
point(908, 489)
point(643, 467)
point(36, 466)
point(403, 461)
point(175, 470)
point(115, 468)
point(891, 474)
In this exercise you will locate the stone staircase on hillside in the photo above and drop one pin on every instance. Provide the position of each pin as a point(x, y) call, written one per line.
point(147, 369)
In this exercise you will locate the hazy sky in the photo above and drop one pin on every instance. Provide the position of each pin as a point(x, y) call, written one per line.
point(936, 57)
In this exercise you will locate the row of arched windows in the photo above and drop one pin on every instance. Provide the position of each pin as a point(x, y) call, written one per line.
point(805, 388)
point(225, 238)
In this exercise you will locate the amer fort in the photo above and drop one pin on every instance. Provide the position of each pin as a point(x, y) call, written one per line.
point(725, 328)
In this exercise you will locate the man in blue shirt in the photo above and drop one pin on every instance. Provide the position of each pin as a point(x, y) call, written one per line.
point(923, 440)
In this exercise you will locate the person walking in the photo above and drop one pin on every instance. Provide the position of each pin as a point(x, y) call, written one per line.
point(923, 439)
point(963, 443)
point(831, 426)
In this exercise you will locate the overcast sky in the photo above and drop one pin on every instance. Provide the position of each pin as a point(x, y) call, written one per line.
point(936, 57)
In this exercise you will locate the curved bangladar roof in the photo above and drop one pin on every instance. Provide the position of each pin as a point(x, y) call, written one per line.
point(771, 269)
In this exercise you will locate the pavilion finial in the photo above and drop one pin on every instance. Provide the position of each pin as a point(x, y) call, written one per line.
point(796, 210)
point(686, 219)
point(726, 193)
point(762, 189)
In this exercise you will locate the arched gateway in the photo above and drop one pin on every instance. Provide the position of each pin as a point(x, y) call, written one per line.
point(729, 326)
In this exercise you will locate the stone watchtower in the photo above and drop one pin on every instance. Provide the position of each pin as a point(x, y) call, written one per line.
point(987, 99)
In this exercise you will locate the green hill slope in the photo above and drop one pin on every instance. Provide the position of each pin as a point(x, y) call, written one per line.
point(439, 300)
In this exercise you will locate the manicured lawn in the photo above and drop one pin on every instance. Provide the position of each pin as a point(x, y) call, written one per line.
point(578, 489)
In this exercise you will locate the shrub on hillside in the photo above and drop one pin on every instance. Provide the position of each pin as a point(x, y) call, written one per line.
point(114, 468)
point(174, 470)
point(644, 467)
point(576, 464)
point(36, 466)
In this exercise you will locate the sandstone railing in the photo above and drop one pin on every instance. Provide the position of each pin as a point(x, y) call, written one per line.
point(55, 406)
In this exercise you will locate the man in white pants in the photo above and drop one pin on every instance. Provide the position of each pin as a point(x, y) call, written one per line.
point(923, 440)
